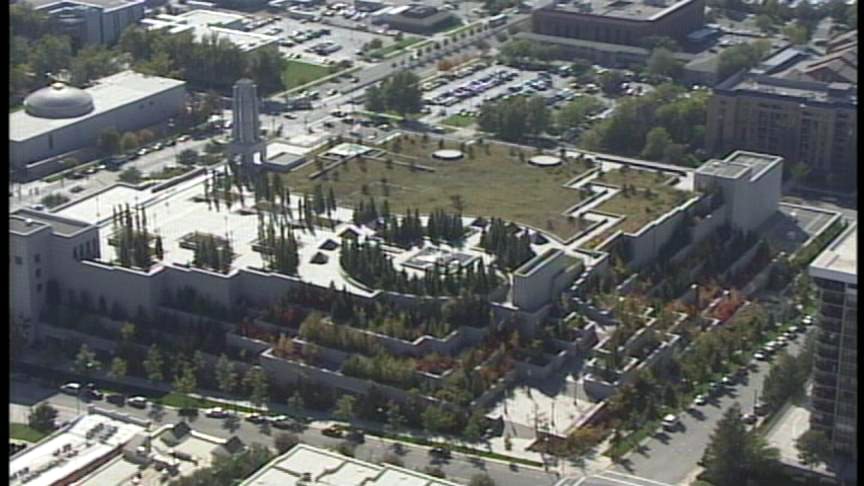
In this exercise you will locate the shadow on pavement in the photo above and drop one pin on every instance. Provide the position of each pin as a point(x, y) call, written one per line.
point(231, 423)
point(28, 394)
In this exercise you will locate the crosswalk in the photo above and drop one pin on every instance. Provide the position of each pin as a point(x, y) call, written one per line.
point(611, 478)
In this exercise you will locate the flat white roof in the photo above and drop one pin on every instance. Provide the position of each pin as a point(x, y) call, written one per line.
point(108, 93)
point(329, 468)
point(209, 17)
point(247, 41)
point(80, 450)
point(839, 261)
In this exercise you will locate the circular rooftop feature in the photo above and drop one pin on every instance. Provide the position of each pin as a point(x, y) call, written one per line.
point(58, 101)
point(447, 154)
point(545, 161)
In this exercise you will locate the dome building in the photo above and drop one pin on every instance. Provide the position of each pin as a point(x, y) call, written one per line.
point(60, 119)
point(59, 101)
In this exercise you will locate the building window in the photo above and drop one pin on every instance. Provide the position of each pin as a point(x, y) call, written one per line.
point(75, 253)
point(37, 258)
point(38, 273)
point(39, 288)
point(50, 141)
point(18, 260)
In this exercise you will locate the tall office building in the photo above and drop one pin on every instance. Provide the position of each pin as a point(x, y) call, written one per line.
point(246, 138)
point(835, 366)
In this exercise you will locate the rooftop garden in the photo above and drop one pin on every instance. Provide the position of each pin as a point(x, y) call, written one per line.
point(483, 183)
point(644, 196)
point(369, 264)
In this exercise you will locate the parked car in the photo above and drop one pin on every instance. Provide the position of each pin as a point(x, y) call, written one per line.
point(670, 422)
point(216, 412)
point(441, 452)
point(76, 189)
point(283, 422)
point(71, 388)
point(759, 355)
point(356, 435)
point(116, 399)
point(760, 408)
point(137, 402)
point(334, 431)
point(728, 380)
point(256, 418)
point(749, 418)
point(700, 400)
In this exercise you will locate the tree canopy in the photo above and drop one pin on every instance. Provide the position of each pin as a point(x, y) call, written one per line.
point(735, 454)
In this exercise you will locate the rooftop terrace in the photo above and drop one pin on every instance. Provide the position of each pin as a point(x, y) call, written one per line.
point(738, 163)
point(839, 261)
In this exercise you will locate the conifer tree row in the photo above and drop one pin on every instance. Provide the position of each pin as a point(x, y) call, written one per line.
point(132, 238)
point(369, 264)
point(510, 248)
point(212, 253)
point(409, 230)
point(276, 235)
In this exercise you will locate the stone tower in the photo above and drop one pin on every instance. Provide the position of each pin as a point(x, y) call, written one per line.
point(246, 130)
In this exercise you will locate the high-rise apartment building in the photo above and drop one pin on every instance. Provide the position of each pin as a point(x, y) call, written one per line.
point(811, 122)
point(835, 366)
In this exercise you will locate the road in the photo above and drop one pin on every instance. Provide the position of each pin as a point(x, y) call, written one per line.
point(687, 446)
point(459, 468)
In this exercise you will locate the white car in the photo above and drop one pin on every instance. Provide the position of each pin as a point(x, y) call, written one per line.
point(760, 356)
point(71, 388)
point(216, 412)
point(700, 400)
point(137, 402)
point(670, 422)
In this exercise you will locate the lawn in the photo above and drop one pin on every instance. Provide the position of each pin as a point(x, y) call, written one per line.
point(396, 46)
point(25, 432)
point(493, 184)
point(459, 121)
point(639, 207)
point(298, 73)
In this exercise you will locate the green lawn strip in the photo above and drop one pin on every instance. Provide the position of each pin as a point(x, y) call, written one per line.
point(484, 184)
point(631, 441)
point(394, 47)
point(298, 73)
point(459, 121)
point(454, 447)
point(25, 432)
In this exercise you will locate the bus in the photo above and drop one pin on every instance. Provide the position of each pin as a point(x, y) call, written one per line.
point(498, 20)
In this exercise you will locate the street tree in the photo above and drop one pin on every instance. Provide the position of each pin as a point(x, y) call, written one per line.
point(814, 448)
point(154, 364)
point(345, 407)
point(109, 141)
point(85, 361)
point(610, 82)
point(663, 63)
point(226, 376)
point(43, 418)
point(481, 480)
point(185, 382)
point(735, 454)
point(118, 367)
point(187, 157)
point(257, 383)
point(284, 441)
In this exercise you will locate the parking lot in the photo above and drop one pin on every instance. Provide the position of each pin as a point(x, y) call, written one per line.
point(470, 87)
point(298, 38)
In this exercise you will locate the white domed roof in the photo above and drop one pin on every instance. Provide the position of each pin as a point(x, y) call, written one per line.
point(59, 101)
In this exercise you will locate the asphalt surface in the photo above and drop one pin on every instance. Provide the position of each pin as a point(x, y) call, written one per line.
point(687, 445)
point(459, 468)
